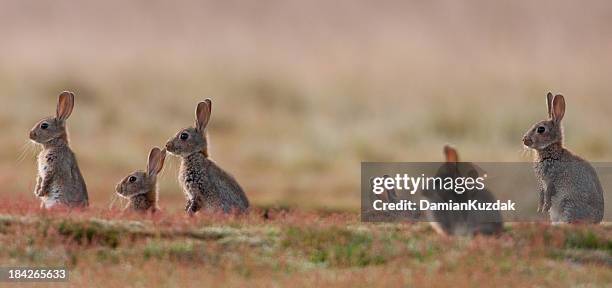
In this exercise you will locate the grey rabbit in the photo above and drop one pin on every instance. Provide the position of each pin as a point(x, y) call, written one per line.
point(59, 180)
point(462, 223)
point(569, 186)
point(140, 187)
point(205, 184)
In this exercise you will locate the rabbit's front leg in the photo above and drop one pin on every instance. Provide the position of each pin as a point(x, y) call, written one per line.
point(37, 190)
point(188, 205)
point(545, 198)
point(192, 206)
point(541, 201)
point(44, 186)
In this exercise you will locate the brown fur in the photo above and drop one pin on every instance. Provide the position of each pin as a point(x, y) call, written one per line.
point(140, 187)
point(206, 185)
point(59, 180)
point(569, 186)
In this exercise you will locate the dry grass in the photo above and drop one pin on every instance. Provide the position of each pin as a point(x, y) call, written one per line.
point(303, 92)
point(295, 248)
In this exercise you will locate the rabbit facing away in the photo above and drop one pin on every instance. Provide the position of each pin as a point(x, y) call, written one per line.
point(569, 186)
point(140, 187)
point(205, 184)
point(59, 180)
point(461, 223)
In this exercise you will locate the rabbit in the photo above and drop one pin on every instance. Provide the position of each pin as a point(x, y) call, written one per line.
point(59, 180)
point(461, 223)
point(569, 186)
point(204, 183)
point(140, 187)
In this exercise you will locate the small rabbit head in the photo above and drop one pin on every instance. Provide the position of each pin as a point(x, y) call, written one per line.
point(192, 139)
point(547, 132)
point(142, 182)
point(51, 128)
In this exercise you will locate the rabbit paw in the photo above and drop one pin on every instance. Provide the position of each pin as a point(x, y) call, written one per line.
point(191, 207)
point(545, 207)
point(39, 192)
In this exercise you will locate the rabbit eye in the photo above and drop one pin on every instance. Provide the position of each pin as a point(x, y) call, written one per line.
point(184, 136)
point(541, 130)
point(44, 126)
point(132, 179)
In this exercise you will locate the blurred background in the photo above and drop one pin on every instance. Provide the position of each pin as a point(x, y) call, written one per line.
point(303, 91)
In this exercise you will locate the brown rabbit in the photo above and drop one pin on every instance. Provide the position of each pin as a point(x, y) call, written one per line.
point(463, 223)
point(205, 184)
point(569, 187)
point(59, 180)
point(140, 187)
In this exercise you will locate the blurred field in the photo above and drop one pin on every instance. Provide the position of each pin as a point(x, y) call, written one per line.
point(102, 248)
point(303, 91)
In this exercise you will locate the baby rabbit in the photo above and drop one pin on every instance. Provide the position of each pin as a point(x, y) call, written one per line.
point(140, 187)
point(463, 223)
point(59, 180)
point(205, 184)
point(569, 187)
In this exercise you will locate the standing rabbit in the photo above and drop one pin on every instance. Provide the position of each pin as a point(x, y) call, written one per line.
point(569, 187)
point(463, 223)
point(59, 180)
point(205, 184)
point(140, 187)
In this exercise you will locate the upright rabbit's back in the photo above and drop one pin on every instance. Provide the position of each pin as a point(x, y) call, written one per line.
point(75, 190)
point(231, 195)
point(576, 193)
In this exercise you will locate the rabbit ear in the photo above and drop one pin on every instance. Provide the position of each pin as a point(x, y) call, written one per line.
point(65, 103)
point(549, 99)
point(558, 108)
point(156, 161)
point(451, 154)
point(203, 114)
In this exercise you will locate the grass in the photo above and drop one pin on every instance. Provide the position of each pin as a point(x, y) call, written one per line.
point(297, 103)
point(303, 92)
point(297, 248)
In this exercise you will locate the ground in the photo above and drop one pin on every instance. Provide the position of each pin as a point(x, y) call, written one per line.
point(295, 248)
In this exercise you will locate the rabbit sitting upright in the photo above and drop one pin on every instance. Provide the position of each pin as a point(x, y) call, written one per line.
point(205, 184)
point(59, 180)
point(569, 187)
point(140, 187)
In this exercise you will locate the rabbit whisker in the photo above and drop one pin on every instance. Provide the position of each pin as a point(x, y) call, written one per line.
point(112, 201)
point(28, 149)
